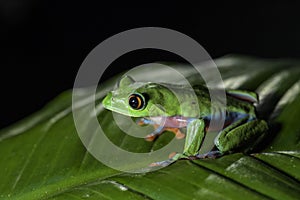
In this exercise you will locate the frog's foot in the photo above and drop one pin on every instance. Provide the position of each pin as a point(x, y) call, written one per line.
point(171, 155)
point(158, 131)
point(176, 131)
point(151, 137)
point(162, 163)
point(211, 154)
point(172, 158)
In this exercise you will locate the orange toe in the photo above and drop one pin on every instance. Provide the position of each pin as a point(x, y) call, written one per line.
point(171, 155)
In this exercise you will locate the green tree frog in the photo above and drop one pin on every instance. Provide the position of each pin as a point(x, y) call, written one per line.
point(154, 103)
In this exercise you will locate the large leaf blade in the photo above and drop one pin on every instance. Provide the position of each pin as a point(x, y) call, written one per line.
point(43, 158)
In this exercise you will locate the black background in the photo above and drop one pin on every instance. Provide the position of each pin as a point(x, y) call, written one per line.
point(44, 42)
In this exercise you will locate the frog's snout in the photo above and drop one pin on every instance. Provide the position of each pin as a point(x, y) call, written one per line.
point(106, 102)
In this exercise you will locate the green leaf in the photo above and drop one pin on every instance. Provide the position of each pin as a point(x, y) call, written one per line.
point(42, 156)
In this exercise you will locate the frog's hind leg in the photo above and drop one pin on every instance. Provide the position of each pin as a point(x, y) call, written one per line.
point(240, 134)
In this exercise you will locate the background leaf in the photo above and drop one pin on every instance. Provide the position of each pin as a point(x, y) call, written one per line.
point(42, 156)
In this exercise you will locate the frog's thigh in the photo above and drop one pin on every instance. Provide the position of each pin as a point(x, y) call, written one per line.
point(240, 134)
point(194, 137)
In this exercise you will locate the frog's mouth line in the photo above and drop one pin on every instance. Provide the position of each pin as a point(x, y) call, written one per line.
point(120, 111)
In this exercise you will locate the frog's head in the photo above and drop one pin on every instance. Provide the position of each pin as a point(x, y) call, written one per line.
point(138, 99)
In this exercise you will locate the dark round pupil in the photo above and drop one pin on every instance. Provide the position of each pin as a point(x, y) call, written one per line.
point(135, 102)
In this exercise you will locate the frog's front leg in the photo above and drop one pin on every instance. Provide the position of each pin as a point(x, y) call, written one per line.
point(158, 130)
point(194, 139)
point(242, 134)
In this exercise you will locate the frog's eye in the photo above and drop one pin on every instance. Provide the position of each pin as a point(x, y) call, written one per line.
point(136, 101)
